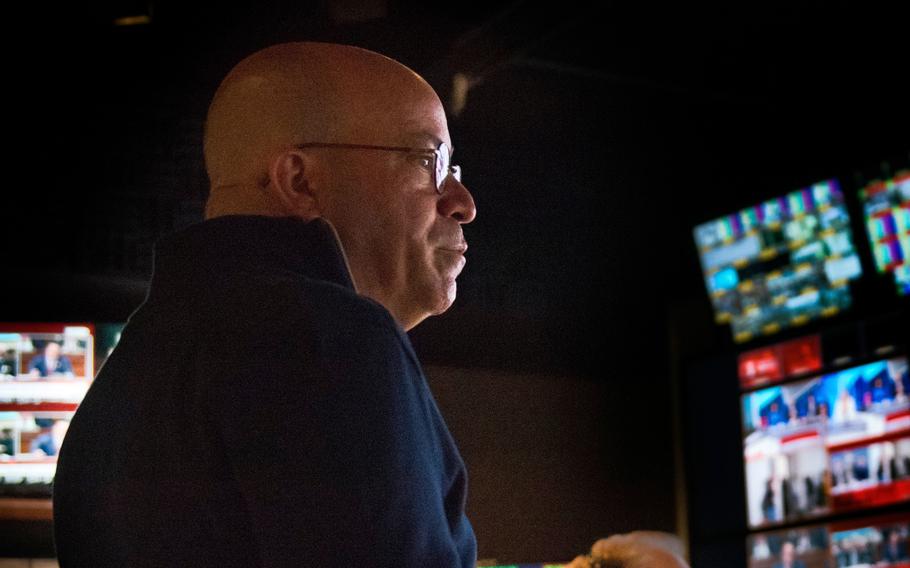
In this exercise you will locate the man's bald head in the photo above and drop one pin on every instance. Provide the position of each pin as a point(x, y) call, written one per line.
point(312, 130)
point(294, 93)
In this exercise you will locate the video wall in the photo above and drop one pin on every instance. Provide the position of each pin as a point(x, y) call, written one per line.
point(781, 263)
point(825, 418)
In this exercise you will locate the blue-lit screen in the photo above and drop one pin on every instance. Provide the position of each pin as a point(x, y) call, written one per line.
point(837, 442)
point(781, 263)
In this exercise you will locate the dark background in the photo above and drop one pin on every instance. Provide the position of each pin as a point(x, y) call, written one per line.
point(594, 138)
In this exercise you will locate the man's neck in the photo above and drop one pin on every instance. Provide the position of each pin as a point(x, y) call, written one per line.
point(241, 199)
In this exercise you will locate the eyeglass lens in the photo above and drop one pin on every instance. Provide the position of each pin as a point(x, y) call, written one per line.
point(444, 167)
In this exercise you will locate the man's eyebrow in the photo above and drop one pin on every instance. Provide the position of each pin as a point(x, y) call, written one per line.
point(422, 136)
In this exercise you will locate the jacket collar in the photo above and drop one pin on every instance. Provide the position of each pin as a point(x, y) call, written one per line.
point(218, 247)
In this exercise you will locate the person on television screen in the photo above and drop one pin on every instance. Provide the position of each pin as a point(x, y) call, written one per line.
point(44, 443)
point(885, 471)
point(839, 474)
point(768, 505)
point(860, 467)
point(793, 415)
point(789, 499)
point(844, 407)
point(272, 343)
point(51, 363)
point(900, 396)
point(788, 557)
point(811, 407)
point(823, 412)
point(8, 364)
point(881, 390)
point(778, 413)
point(895, 548)
point(7, 443)
point(760, 548)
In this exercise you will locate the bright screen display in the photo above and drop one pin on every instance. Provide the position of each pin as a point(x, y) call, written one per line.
point(886, 205)
point(780, 361)
point(781, 263)
point(45, 371)
point(862, 543)
point(833, 443)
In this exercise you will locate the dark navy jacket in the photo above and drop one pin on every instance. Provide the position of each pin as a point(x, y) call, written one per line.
point(258, 412)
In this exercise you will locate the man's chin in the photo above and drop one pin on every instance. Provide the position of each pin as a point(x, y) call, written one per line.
point(444, 299)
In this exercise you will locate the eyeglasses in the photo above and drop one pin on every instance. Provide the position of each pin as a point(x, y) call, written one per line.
point(442, 168)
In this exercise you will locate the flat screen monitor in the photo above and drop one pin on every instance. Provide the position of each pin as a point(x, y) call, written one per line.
point(860, 543)
point(45, 371)
point(780, 361)
point(781, 263)
point(886, 205)
point(828, 444)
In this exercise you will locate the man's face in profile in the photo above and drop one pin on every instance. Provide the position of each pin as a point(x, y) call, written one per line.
point(404, 239)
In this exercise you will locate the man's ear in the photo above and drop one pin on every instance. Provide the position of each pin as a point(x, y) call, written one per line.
point(289, 181)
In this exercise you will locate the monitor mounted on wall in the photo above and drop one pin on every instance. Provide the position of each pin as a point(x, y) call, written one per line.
point(781, 263)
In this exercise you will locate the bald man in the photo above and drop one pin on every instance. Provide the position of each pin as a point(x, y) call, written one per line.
point(264, 406)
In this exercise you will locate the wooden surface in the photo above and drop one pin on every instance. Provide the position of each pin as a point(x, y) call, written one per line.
point(26, 509)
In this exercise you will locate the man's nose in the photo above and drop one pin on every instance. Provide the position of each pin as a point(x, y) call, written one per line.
point(457, 202)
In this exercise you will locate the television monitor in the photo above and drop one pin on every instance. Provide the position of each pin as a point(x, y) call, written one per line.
point(45, 371)
point(886, 204)
point(780, 361)
point(827, 444)
point(780, 263)
point(858, 543)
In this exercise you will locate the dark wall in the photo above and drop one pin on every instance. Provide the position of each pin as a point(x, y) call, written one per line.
point(550, 466)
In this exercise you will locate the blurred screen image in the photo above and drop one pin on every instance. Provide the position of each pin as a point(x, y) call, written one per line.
point(804, 548)
point(886, 205)
point(781, 263)
point(872, 474)
point(858, 544)
point(780, 361)
point(827, 444)
point(45, 371)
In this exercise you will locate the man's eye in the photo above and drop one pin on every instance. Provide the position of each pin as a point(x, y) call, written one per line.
point(425, 162)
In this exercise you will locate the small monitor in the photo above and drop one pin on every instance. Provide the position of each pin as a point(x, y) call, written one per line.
point(781, 263)
point(45, 371)
point(780, 361)
point(886, 205)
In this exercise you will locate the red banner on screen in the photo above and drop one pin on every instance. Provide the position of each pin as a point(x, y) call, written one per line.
point(783, 360)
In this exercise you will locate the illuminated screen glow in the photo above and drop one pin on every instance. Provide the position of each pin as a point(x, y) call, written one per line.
point(780, 361)
point(886, 205)
point(879, 542)
point(781, 263)
point(833, 443)
point(45, 371)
